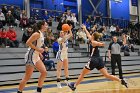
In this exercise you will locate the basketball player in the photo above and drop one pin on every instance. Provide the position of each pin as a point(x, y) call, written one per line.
point(32, 59)
point(62, 54)
point(94, 62)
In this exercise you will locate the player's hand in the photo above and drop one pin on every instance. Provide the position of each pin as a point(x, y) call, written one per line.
point(41, 56)
point(84, 27)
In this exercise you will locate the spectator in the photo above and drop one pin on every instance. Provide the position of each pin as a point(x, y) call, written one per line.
point(125, 46)
point(118, 31)
point(11, 35)
point(81, 36)
point(23, 13)
point(27, 34)
point(46, 16)
point(10, 19)
point(105, 34)
point(74, 19)
point(4, 10)
point(134, 36)
point(24, 22)
point(125, 30)
point(128, 45)
point(101, 29)
point(32, 21)
point(62, 20)
point(2, 19)
point(12, 10)
point(49, 37)
point(112, 30)
point(49, 21)
point(3, 38)
point(17, 13)
point(46, 59)
point(55, 47)
point(68, 16)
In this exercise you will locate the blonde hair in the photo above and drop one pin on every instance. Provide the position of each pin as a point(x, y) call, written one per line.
point(97, 36)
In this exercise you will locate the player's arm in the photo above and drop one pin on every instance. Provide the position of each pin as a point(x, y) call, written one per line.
point(87, 33)
point(70, 34)
point(96, 43)
point(41, 56)
point(66, 36)
point(33, 38)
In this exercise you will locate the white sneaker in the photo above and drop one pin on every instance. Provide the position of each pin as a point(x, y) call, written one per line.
point(67, 82)
point(59, 85)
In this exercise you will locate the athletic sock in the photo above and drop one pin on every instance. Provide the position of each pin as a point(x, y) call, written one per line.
point(39, 89)
point(67, 78)
point(58, 79)
point(19, 91)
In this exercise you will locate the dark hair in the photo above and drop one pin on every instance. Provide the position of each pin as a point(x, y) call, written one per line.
point(37, 26)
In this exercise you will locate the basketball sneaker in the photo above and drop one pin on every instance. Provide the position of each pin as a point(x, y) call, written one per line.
point(59, 85)
point(66, 81)
point(123, 82)
point(71, 86)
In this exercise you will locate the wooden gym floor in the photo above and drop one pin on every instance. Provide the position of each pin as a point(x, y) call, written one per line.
point(89, 85)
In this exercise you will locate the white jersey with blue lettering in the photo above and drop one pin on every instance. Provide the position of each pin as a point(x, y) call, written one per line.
point(32, 56)
point(63, 50)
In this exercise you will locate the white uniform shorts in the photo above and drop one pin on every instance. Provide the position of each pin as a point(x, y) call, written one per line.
point(31, 57)
point(61, 55)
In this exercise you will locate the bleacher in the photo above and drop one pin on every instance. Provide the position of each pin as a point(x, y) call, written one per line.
point(12, 64)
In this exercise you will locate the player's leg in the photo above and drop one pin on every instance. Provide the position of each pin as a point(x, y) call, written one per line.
point(59, 67)
point(28, 73)
point(42, 69)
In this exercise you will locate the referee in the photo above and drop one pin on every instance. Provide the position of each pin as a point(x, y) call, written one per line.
point(114, 51)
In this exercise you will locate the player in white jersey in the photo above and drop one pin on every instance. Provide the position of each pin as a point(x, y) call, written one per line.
point(32, 57)
point(62, 54)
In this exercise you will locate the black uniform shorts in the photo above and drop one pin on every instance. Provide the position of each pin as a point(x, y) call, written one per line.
point(95, 62)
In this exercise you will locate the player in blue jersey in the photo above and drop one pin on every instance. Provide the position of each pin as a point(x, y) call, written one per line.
point(62, 54)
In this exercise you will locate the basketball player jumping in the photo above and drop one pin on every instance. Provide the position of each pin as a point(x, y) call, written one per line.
point(95, 61)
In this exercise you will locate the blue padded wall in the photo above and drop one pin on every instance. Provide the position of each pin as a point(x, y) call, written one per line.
point(13, 2)
point(120, 10)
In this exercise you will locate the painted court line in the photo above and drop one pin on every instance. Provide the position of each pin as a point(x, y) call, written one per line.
point(63, 84)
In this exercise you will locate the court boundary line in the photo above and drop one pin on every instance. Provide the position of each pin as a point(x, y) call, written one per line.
point(63, 84)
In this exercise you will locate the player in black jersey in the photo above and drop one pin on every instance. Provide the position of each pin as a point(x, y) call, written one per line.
point(95, 61)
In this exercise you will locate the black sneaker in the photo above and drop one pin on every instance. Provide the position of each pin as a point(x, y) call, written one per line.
point(71, 86)
point(123, 82)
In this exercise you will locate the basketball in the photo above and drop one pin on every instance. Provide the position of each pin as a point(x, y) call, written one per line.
point(65, 27)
